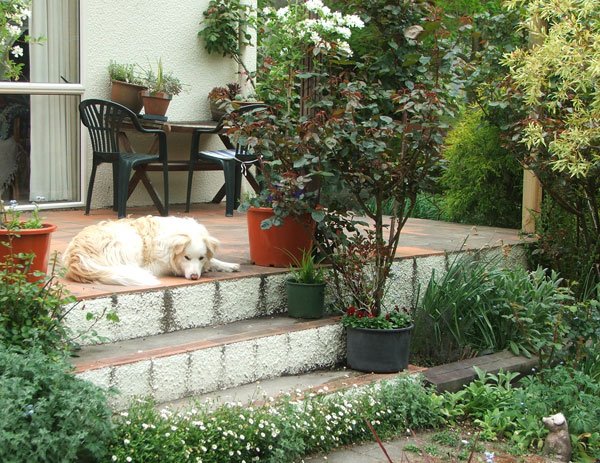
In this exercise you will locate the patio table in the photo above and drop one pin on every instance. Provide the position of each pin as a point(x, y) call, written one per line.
point(186, 127)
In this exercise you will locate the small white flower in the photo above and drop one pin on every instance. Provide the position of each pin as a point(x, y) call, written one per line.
point(126, 441)
point(128, 459)
point(282, 12)
point(13, 30)
point(314, 5)
point(17, 51)
point(114, 458)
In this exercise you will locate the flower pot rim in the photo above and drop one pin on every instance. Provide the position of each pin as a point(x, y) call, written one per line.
point(131, 84)
point(44, 229)
point(297, 283)
point(382, 330)
point(160, 95)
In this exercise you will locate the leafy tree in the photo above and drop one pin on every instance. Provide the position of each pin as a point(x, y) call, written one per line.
point(558, 81)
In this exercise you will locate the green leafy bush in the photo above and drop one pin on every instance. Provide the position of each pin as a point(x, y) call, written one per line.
point(281, 430)
point(504, 410)
point(482, 181)
point(30, 312)
point(49, 415)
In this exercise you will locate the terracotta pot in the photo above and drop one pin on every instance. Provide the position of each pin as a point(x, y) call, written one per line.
point(35, 241)
point(267, 246)
point(157, 103)
point(127, 94)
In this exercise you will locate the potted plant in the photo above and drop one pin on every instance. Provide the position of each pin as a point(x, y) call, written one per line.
point(22, 238)
point(377, 343)
point(161, 87)
point(220, 99)
point(125, 85)
point(305, 288)
point(279, 236)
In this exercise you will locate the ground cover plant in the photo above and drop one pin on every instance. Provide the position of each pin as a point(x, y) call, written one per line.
point(501, 409)
point(281, 430)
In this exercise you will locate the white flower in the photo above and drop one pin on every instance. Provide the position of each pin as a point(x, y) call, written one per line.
point(314, 5)
point(282, 12)
point(114, 458)
point(128, 459)
point(353, 20)
point(17, 51)
point(126, 441)
point(13, 30)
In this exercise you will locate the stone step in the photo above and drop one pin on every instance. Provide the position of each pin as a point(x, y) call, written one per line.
point(188, 362)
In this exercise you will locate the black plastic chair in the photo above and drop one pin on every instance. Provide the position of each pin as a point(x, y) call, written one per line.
point(104, 120)
point(231, 160)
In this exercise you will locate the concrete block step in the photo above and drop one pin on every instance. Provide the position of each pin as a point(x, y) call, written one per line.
point(166, 309)
point(175, 365)
point(232, 297)
point(454, 376)
point(316, 382)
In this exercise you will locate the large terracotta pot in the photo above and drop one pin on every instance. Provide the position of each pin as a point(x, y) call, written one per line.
point(35, 241)
point(267, 246)
point(127, 94)
point(156, 104)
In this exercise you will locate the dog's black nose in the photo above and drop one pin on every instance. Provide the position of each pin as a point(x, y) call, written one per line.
point(194, 276)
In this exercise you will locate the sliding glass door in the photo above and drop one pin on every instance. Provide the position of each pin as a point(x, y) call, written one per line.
point(39, 124)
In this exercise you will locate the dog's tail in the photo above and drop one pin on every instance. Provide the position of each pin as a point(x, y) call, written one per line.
point(82, 269)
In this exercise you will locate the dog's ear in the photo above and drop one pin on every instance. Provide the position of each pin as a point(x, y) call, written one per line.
point(179, 243)
point(211, 245)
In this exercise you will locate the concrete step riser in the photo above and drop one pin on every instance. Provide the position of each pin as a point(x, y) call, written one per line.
point(178, 375)
point(225, 301)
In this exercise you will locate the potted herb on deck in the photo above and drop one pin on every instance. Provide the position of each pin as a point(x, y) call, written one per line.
point(305, 288)
point(24, 237)
point(126, 86)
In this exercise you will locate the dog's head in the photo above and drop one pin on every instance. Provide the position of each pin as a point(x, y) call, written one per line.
point(192, 254)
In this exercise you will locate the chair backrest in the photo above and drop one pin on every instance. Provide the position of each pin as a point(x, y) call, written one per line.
point(240, 150)
point(104, 120)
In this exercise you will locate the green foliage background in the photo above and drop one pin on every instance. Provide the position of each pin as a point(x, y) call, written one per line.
point(482, 181)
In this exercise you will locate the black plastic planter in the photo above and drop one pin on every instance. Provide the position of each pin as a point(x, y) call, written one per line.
point(378, 351)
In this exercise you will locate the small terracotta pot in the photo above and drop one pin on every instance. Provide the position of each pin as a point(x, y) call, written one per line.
point(267, 246)
point(35, 241)
point(157, 103)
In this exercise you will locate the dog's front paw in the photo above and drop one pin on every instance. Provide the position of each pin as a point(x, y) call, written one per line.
point(232, 268)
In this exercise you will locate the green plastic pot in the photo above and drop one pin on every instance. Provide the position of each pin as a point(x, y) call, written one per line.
point(305, 300)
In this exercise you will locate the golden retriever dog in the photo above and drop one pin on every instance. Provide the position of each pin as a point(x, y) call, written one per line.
point(134, 252)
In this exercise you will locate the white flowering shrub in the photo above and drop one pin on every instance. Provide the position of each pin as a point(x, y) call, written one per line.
point(280, 430)
point(14, 17)
point(291, 35)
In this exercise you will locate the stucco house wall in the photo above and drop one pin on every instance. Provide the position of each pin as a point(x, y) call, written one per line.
point(142, 31)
